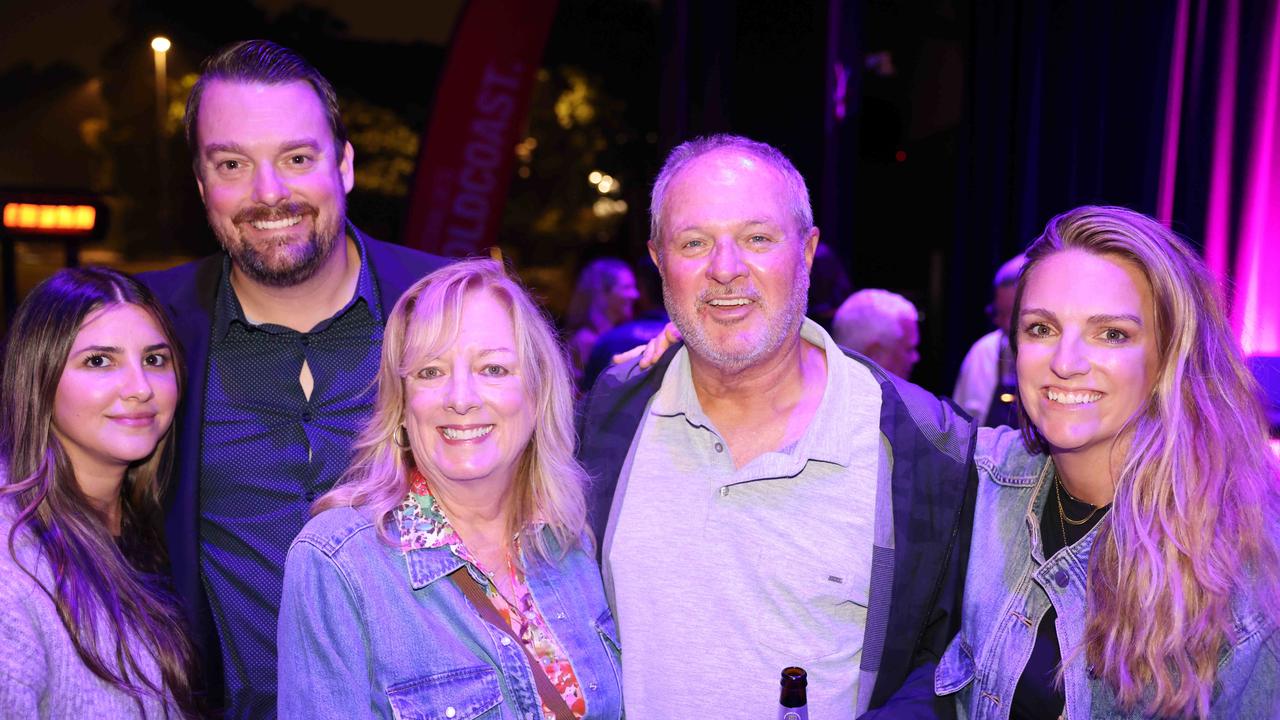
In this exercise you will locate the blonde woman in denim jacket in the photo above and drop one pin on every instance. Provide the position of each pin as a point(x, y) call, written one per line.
point(450, 574)
point(1124, 560)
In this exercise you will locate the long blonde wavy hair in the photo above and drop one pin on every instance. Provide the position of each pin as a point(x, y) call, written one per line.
point(549, 485)
point(1193, 524)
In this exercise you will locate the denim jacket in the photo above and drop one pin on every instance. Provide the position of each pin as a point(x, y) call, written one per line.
point(1009, 588)
point(367, 630)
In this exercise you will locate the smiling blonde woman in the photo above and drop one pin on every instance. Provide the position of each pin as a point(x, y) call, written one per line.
point(1124, 560)
point(452, 568)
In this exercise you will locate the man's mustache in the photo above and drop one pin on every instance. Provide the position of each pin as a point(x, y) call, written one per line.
point(709, 294)
point(268, 213)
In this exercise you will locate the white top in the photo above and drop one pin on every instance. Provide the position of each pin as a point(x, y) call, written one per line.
point(978, 376)
point(720, 578)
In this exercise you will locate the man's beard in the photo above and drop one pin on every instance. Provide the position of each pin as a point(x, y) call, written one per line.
point(262, 264)
point(778, 330)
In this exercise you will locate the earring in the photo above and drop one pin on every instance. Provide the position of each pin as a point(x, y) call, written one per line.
point(395, 437)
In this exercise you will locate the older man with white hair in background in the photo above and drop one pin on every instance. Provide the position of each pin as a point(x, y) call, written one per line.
point(882, 325)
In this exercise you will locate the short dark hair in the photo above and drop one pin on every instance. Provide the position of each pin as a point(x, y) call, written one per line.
point(265, 62)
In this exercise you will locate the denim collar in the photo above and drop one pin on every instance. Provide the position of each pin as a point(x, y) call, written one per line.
point(431, 547)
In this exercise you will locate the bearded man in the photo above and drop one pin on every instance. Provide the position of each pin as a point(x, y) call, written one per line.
point(282, 333)
point(763, 499)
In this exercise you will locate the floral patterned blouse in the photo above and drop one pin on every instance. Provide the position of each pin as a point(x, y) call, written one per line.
point(423, 526)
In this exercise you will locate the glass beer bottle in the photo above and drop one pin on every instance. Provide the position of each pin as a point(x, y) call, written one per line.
point(793, 704)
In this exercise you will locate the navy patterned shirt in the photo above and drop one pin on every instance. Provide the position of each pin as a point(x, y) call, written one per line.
point(267, 453)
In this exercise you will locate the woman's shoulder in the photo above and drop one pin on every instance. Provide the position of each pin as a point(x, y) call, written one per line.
point(24, 575)
point(1253, 614)
point(1003, 458)
point(339, 529)
point(22, 556)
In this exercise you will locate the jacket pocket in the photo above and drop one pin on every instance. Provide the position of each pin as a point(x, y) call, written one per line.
point(956, 669)
point(464, 694)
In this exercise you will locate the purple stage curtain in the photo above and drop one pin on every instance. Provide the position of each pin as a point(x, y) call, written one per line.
point(1220, 165)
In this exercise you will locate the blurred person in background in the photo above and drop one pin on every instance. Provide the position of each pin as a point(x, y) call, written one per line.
point(829, 286)
point(1125, 558)
point(604, 298)
point(452, 569)
point(987, 383)
point(882, 325)
point(89, 624)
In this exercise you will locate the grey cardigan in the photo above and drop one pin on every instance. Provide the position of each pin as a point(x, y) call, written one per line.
point(41, 675)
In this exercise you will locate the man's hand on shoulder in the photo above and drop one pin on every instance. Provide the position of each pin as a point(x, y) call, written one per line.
point(652, 351)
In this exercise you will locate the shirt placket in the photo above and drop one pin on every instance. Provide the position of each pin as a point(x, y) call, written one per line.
point(301, 344)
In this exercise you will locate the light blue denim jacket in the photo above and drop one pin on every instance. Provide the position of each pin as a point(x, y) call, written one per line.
point(367, 630)
point(1009, 588)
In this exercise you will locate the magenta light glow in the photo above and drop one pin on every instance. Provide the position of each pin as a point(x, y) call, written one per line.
point(1217, 221)
point(1255, 310)
point(1173, 115)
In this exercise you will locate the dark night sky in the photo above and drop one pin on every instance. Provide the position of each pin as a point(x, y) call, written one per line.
point(41, 32)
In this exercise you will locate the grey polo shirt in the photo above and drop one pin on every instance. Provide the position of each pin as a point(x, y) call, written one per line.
point(721, 577)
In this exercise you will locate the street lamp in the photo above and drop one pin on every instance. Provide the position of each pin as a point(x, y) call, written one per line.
point(160, 45)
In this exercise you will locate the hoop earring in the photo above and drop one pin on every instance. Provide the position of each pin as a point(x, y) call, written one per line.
point(395, 437)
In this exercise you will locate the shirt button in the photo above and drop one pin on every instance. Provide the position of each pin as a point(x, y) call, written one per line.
point(306, 416)
point(1061, 578)
point(559, 616)
point(719, 447)
point(724, 492)
point(506, 640)
point(450, 712)
point(306, 340)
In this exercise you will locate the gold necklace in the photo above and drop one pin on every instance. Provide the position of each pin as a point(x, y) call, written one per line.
point(1057, 487)
point(1062, 515)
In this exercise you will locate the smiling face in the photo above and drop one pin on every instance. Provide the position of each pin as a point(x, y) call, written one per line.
point(735, 269)
point(274, 185)
point(1087, 349)
point(117, 393)
point(468, 412)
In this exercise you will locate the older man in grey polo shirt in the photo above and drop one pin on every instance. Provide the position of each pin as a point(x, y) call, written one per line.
point(763, 499)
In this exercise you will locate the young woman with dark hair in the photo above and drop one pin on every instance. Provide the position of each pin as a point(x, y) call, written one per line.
point(91, 378)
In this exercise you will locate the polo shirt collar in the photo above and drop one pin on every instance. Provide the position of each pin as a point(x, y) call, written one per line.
point(824, 439)
point(229, 310)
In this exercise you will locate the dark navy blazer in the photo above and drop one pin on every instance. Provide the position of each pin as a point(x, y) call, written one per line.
point(187, 293)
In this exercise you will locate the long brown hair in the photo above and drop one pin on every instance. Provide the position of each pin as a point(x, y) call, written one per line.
point(1192, 527)
point(95, 586)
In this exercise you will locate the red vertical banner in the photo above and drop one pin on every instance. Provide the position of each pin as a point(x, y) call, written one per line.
point(465, 165)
